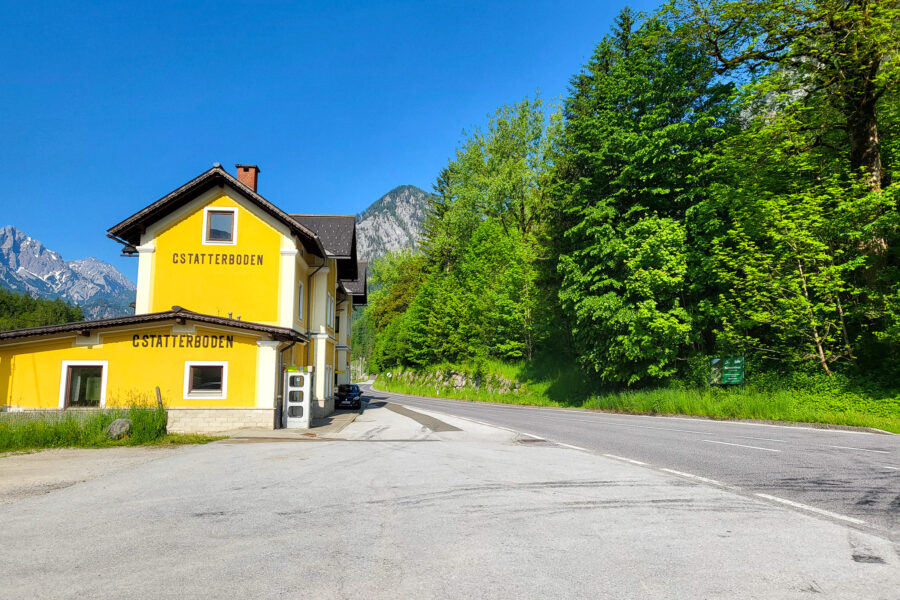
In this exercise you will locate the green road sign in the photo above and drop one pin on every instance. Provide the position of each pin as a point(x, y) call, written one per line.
point(727, 371)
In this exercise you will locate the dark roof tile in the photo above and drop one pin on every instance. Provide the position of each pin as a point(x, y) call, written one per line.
point(169, 315)
point(337, 232)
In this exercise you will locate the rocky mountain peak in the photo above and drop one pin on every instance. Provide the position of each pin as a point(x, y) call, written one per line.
point(26, 265)
point(392, 222)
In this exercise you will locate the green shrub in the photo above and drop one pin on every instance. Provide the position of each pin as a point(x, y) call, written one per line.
point(801, 395)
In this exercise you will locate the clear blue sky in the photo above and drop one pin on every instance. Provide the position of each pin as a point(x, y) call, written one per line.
point(108, 106)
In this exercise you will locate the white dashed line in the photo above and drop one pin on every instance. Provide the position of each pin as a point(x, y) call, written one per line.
point(697, 477)
point(890, 467)
point(572, 447)
point(628, 460)
point(860, 449)
point(747, 437)
point(742, 446)
point(813, 509)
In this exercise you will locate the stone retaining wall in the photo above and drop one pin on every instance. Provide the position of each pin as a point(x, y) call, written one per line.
point(214, 420)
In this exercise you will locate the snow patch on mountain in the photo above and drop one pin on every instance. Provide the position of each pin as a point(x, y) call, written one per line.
point(26, 265)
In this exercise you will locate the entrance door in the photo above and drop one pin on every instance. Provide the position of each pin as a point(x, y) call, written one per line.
point(297, 387)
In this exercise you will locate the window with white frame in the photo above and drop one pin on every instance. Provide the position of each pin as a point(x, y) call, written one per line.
point(300, 301)
point(219, 226)
point(83, 384)
point(206, 379)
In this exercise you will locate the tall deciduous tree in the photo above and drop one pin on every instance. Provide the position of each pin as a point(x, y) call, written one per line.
point(843, 50)
point(639, 123)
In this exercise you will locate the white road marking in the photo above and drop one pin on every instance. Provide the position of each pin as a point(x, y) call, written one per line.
point(747, 437)
point(572, 447)
point(698, 478)
point(820, 511)
point(890, 467)
point(536, 437)
point(742, 446)
point(860, 449)
point(628, 460)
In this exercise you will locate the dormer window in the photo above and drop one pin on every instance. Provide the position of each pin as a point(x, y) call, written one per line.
point(219, 225)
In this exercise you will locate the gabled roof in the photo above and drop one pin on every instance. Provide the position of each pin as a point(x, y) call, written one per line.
point(177, 313)
point(357, 287)
point(129, 230)
point(337, 232)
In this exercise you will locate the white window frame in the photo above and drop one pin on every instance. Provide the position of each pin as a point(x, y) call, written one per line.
point(63, 378)
point(234, 225)
point(189, 395)
point(300, 301)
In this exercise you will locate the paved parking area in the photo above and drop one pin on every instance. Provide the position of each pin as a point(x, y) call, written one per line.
point(389, 508)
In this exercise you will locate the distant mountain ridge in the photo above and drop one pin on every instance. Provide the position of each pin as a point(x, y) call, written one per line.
point(26, 265)
point(392, 222)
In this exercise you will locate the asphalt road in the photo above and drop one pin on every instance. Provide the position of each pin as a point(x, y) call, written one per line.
point(848, 476)
point(398, 505)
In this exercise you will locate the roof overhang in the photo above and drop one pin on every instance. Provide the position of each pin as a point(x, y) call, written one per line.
point(178, 315)
point(129, 231)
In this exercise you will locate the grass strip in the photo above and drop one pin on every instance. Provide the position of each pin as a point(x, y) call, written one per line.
point(87, 429)
point(796, 406)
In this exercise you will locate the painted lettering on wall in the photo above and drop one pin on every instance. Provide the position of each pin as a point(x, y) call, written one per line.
point(182, 340)
point(216, 258)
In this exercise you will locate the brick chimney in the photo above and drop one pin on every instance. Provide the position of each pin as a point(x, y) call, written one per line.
point(247, 174)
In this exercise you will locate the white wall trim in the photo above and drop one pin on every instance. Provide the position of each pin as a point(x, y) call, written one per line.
point(290, 252)
point(266, 373)
point(287, 299)
point(144, 280)
point(64, 372)
point(189, 395)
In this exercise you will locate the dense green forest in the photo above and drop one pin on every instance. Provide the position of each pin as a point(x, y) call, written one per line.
point(721, 180)
point(18, 310)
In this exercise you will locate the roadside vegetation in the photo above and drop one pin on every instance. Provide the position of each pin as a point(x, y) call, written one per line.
point(722, 180)
point(797, 397)
point(87, 429)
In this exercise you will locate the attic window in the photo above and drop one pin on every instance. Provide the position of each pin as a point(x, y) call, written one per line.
point(219, 226)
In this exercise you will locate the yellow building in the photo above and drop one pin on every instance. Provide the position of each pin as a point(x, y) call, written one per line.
point(237, 301)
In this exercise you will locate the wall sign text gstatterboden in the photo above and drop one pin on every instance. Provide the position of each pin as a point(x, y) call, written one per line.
point(182, 340)
point(216, 258)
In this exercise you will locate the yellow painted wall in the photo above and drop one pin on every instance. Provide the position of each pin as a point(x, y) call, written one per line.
point(217, 288)
point(30, 373)
point(299, 354)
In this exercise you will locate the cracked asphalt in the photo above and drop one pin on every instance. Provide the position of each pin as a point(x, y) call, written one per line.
point(391, 508)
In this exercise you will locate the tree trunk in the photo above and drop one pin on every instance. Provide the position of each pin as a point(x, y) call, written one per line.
point(820, 350)
point(862, 128)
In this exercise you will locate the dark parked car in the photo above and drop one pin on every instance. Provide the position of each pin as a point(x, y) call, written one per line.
point(348, 396)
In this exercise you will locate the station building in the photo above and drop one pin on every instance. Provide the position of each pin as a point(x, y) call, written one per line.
point(233, 295)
